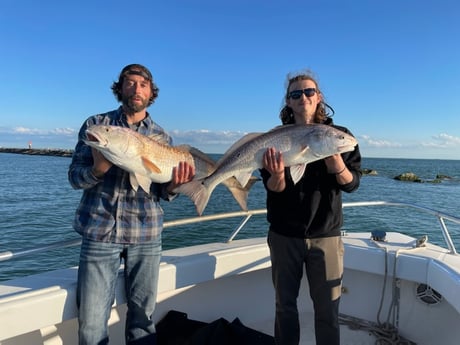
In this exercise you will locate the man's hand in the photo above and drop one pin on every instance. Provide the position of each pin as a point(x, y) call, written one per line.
point(100, 164)
point(336, 165)
point(181, 174)
point(274, 163)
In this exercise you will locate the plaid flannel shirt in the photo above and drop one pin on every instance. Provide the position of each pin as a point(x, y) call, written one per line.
point(110, 210)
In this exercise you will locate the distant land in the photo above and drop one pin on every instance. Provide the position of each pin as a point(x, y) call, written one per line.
point(38, 152)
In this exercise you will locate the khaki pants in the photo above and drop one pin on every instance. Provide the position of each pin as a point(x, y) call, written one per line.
point(323, 262)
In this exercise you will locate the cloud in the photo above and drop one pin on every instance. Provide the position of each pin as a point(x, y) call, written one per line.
point(443, 140)
point(438, 146)
point(216, 141)
point(62, 138)
point(36, 131)
point(206, 140)
point(366, 140)
point(65, 131)
point(443, 144)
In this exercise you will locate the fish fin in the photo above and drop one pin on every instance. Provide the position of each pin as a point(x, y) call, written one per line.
point(160, 138)
point(202, 159)
point(133, 181)
point(283, 127)
point(200, 154)
point(304, 150)
point(243, 177)
point(197, 192)
point(243, 140)
point(239, 192)
point(297, 172)
point(196, 153)
point(149, 165)
point(183, 147)
point(137, 180)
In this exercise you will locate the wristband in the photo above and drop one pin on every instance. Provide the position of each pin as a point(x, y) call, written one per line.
point(341, 171)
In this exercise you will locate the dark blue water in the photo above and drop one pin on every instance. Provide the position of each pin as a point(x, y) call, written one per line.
point(37, 206)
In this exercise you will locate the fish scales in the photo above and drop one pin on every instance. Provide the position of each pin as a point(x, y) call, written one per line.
point(299, 144)
point(151, 159)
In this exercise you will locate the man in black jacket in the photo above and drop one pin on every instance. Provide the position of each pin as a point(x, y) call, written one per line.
point(305, 221)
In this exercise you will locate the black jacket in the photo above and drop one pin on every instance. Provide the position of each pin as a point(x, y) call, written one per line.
point(313, 207)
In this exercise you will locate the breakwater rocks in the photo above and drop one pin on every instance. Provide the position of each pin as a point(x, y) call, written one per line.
point(39, 152)
point(371, 172)
point(409, 176)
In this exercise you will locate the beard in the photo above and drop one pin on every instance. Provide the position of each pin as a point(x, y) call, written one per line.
point(134, 107)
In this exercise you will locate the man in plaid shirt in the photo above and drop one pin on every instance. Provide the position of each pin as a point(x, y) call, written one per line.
point(116, 222)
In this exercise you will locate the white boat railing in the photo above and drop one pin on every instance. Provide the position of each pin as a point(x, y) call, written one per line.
point(247, 215)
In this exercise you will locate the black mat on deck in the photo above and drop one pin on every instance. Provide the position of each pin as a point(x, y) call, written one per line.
point(177, 329)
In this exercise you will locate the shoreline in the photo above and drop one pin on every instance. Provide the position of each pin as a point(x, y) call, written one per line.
point(38, 152)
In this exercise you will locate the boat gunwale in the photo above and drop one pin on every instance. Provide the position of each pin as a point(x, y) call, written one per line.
point(441, 216)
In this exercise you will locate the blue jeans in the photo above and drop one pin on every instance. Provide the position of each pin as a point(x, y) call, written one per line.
point(97, 276)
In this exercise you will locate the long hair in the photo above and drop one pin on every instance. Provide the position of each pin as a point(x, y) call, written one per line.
point(137, 70)
point(321, 113)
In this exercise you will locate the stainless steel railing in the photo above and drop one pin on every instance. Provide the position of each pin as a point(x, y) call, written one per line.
point(439, 215)
point(247, 215)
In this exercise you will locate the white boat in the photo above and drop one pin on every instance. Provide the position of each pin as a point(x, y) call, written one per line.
point(397, 289)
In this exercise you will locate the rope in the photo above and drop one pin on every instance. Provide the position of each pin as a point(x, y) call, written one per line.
point(385, 334)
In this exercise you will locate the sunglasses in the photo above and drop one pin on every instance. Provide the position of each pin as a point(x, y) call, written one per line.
point(296, 94)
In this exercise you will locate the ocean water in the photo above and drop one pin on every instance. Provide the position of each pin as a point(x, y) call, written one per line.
point(37, 206)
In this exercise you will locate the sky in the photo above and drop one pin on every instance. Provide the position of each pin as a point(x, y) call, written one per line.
point(390, 69)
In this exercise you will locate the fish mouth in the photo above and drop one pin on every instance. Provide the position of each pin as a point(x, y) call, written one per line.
point(346, 147)
point(94, 139)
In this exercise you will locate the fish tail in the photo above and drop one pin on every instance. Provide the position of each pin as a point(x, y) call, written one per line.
point(197, 192)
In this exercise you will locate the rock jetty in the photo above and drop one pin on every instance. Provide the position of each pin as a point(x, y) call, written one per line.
point(411, 177)
point(38, 152)
point(408, 176)
point(371, 172)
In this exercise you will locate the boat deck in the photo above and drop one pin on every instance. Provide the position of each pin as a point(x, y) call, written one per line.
point(410, 284)
point(348, 336)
